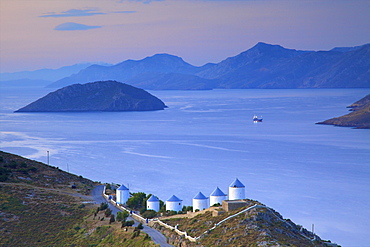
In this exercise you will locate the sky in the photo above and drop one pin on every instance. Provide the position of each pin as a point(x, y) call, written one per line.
point(36, 34)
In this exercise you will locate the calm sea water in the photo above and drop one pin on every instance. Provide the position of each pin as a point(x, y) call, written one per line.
point(312, 174)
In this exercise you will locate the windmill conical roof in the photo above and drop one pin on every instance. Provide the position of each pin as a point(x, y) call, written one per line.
point(200, 196)
point(218, 192)
point(237, 184)
point(174, 199)
point(153, 198)
point(122, 187)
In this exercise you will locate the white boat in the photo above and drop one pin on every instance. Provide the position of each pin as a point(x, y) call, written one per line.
point(256, 119)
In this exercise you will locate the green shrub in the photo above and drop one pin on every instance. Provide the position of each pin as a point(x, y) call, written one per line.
point(140, 226)
point(128, 223)
point(4, 173)
point(111, 220)
point(149, 214)
point(103, 206)
point(122, 216)
point(108, 212)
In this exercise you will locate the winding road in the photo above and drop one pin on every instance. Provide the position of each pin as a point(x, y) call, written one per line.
point(157, 237)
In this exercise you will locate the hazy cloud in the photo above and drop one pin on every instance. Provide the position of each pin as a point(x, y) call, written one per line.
point(74, 12)
point(142, 1)
point(123, 12)
point(72, 26)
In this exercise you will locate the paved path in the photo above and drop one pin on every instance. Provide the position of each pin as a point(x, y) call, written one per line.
point(156, 236)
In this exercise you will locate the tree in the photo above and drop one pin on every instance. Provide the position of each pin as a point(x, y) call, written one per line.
point(108, 212)
point(140, 226)
point(149, 214)
point(103, 206)
point(128, 223)
point(137, 200)
point(111, 220)
point(122, 216)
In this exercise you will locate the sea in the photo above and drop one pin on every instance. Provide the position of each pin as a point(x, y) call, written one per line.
point(316, 175)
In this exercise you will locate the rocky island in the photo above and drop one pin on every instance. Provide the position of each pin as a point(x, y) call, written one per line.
point(358, 118)
point(96, 96)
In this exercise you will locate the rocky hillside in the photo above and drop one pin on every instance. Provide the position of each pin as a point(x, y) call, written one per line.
point(262, 66)
point(358, 118)
point(41, 205)
point(96, 96)
point(35, 203)
point(260, 226)
point(272, 66)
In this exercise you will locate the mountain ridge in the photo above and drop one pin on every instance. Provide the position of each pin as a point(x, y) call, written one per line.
point(262, 66)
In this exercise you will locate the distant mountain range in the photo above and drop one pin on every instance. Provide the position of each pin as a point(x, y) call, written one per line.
point(262, 66)
point(41, 77)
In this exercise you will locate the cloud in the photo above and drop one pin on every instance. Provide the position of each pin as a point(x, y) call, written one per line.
point(72, 26)
point(74, 12)
point(142, 1)
point(123, 12)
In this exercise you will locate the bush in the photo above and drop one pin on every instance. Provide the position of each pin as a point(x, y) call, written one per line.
point(140, 226)
point(32, 169)
point(4, 173)
point(142, 210)
point(103, 206)
point(108, 212)
point(122, 216)
point(137, 200)
point(12, 165)
point(128, 223)
point(149, 214)
point(136, 233)
point(111, 220)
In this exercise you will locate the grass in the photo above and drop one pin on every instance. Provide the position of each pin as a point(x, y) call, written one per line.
point(257, 227)
point(38, 207)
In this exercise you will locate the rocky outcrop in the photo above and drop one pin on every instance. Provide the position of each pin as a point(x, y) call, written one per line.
point(358, 118)
point(96, 96)
point(259, 226)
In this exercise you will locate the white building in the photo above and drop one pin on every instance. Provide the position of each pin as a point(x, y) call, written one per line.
point(217, 196)
point(174, 204)
point(236, 190)
point(153, 203)
point(200, 202)
point(122, 194)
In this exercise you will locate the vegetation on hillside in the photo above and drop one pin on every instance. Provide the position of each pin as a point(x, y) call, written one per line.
point(257, 227)
point(16, 169)
point(359, 117)
point(39, 207)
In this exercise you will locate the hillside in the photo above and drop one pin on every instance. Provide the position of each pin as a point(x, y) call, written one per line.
point(262, 66)
point(96, 96)
point(39, 207)
point(260, 226)
point(358, 118)
point(272, 66)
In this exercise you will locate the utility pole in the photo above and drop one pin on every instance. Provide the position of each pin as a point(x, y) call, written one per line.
point(313, 228)
point(48, 157)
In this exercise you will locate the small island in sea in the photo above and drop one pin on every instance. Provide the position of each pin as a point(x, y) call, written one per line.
point(96, 96)
point(358, 118)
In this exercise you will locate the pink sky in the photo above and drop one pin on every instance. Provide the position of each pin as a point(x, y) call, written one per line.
point(37, 34)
